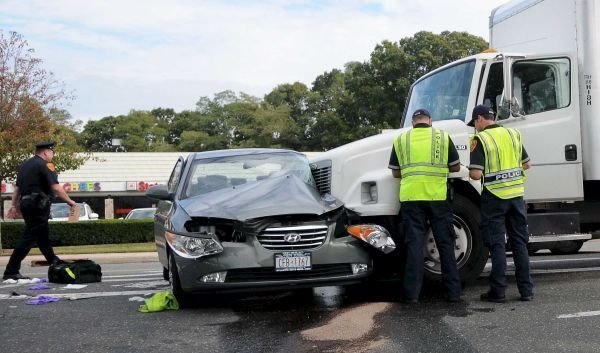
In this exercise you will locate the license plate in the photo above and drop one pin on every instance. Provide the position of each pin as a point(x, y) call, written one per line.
point(293, 261)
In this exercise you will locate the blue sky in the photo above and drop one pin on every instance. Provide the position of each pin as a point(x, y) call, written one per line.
point(119, 55)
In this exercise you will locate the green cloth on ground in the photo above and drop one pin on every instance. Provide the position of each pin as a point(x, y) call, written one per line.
point(158, 302)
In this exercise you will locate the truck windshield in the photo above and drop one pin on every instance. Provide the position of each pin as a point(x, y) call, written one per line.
point(444, 94)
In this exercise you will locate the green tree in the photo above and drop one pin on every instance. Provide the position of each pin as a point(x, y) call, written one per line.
point(29, 95)
point(98, 135)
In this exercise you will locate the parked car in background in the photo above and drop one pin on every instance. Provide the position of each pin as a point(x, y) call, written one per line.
point(60, 212)
point(141, 213)
point(248, 219)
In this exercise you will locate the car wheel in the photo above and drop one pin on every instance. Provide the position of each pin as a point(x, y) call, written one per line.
point(567, 247)
point(183, 298)
point(471, 255)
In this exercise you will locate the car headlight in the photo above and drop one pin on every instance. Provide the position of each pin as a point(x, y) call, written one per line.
point(191, 247)
point(375, 235)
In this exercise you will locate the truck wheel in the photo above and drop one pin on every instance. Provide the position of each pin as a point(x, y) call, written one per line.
point(567, 247)
point(471, 255)
point(183, 298)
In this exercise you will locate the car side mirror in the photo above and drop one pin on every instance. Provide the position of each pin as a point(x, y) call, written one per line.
point(159, 192)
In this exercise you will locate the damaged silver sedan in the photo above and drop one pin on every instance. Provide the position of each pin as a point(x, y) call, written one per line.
point(251, 219)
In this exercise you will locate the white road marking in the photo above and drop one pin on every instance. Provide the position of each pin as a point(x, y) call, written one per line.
point(132, 279)
point(74, 296)
point(136, 275)
point(564, 260)
point(579, 314)
point(143, 284)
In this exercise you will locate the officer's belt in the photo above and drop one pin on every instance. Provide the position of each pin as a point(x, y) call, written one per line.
point(32, 196)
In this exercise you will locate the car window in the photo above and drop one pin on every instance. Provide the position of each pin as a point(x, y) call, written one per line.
point(175, 175)
point(141, 214)
point(208, 175)
point(62, 210)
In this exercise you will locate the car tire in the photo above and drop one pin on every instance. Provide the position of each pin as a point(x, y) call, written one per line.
point(567, 247)
point(471, 255)
point(183, 298)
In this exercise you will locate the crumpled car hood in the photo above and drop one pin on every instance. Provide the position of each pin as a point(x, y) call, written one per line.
point(286, 194)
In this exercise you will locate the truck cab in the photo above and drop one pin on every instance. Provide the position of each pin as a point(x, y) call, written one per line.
point(538, 81)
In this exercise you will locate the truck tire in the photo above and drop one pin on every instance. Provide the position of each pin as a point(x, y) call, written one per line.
point(567, 247)
point(471, 255)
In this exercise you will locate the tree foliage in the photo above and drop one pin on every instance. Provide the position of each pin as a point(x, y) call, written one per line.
point(30, 109)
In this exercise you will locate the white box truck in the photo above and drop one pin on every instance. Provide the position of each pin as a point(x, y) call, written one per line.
point(541, 77)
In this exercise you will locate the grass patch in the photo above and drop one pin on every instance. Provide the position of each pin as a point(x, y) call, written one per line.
point(95, 249)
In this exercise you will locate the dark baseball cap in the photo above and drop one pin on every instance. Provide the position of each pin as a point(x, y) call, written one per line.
point(45, 145)
point(421, 112)
point(480, 110)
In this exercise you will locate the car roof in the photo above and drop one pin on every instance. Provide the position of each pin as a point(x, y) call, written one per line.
point(239, 152)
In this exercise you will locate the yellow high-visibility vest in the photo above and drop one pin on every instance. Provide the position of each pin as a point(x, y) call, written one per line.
point(503, 172)
point(423, 159)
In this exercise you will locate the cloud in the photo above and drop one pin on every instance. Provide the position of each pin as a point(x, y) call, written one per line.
point(121, 55)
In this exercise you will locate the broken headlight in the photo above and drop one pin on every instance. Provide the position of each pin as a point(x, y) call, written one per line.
point(192, 247)
point(375, 235)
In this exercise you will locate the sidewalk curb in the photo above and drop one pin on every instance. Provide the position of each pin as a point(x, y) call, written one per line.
point(104, 258)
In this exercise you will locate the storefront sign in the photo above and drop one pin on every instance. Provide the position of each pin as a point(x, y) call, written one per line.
point(96, 186)
point(83, 186)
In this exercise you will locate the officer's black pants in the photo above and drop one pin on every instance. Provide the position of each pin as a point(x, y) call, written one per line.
point(414, 221)
point(36, 231)
point(500, 217)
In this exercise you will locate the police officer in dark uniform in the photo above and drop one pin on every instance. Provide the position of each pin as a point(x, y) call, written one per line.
point(498, 155)
point(37, 184)
point(422, 158)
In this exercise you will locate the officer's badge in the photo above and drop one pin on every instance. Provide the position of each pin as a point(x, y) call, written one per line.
point(473, 144)
point(51, 166)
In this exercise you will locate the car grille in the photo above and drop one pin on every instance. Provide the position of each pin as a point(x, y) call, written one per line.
point(269, 274)
point(321, 171)
point(293, 238)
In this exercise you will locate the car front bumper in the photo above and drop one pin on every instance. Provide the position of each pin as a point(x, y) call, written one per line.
point(249, 266)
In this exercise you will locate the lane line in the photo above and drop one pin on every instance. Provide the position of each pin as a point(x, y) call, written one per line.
point(136, 275)
point(564, 260)
point(133, 280)
point(75, 296)
point(579, 314)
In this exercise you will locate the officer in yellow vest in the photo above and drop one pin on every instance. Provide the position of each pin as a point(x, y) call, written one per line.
point(422, 158)
point(498, 156)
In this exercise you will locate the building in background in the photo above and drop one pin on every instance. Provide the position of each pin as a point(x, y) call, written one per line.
point(121, 176)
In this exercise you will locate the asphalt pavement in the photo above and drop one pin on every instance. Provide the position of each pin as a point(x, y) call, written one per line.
point(104, 258)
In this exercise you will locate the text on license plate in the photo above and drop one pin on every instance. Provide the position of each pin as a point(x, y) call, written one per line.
point(293, 261)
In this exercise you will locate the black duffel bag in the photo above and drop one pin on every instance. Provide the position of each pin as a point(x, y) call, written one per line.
point(75, 271)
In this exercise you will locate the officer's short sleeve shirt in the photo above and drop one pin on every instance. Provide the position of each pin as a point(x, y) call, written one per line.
point(453, 157)
point(35, 175)
point(477, 154)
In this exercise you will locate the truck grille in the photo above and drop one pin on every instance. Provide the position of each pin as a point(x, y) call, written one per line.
point(322, 173)
point(294, 237)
